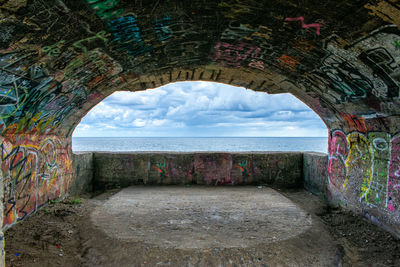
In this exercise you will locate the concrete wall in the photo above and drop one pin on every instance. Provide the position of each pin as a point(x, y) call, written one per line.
point(83, 169)
point(2, 251)
point(123, 169)
point(315, 173)
point(35, 169)
point(363, 174)
point(319, 180)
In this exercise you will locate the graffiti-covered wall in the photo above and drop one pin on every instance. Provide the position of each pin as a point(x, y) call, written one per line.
point(35, 169)
point(364, 169)
point(60, 58)
point(282, 170)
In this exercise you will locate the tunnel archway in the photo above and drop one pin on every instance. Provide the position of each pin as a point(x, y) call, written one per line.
point(60, 58)
point(187, 116)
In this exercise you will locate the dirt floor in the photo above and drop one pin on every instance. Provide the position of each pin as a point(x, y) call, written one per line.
point(198, 226)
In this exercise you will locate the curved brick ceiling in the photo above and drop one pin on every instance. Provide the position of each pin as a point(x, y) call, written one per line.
point(59, 58)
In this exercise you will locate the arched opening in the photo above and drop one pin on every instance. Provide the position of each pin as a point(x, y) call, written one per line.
point(198, 112)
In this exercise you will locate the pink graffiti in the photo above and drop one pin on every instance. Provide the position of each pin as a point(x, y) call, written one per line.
point(338, 152)
point(234, 55)
point(257, 64)
point(393, 195)
point(317, 26)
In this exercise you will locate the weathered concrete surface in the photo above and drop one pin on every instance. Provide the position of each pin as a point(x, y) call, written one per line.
point(181, 217)
point(280, 169)
point(83, 169)
point(2, 251)
point(207, 226)
point(34, 171)
point(315, 174)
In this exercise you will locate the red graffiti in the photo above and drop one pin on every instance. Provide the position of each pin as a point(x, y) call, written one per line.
point(303, 46)
point(317, 26)
point(288, 61)
point(338, 152)
point(354, 122)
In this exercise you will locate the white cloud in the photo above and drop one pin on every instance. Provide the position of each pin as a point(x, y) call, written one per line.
point(83, 126)
point(157, 122)
point(126, 114)
point(139, 123)
point(200, 109)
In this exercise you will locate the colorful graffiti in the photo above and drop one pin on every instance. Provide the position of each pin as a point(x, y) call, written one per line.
point(162, 168)
point(281, 169)
point(317, 26)
point(233, 9)
point(162, 28)
point(237, 55)
point(393, 197)
point(245, 168)
point(105, 9)
point(367, 164)
point(368, 69)
point(35, 170)
point(127, 35)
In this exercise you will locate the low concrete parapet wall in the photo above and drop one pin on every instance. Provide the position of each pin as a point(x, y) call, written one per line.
point(315, 173)
point(280, 169)
point(83, 171)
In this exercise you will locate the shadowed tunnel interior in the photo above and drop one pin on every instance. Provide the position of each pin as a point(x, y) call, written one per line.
point(60, 58)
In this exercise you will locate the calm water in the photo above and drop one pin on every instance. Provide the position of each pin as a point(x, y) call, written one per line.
point(318, 144)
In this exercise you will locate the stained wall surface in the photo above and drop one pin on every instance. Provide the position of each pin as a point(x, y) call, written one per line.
point(59, 58)
point(284, 170)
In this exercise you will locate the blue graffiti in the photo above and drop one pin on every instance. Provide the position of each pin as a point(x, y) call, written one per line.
point(128, 35)
point(162, 29)
point(125, 29)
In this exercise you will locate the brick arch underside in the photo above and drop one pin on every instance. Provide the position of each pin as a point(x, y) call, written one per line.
point(60, 58)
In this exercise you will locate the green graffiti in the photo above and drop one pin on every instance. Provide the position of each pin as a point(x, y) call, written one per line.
point(53, 50)
point(104, 8)
point(100, 35)
point(376, 190)
point(244, 168)
point(359, 157)
point(161, 167)
point(397, 43)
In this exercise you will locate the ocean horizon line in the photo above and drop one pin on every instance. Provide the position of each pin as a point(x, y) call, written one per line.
point(200, 137)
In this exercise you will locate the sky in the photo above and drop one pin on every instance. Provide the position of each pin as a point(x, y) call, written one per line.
point(200, 109)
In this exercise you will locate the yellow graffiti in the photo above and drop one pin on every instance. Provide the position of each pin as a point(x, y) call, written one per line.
point(264, 32)
point(386, 11)
point(359, 156)
point(26, 123)
point(20, 102)
point(53, 50)
point(238, 8)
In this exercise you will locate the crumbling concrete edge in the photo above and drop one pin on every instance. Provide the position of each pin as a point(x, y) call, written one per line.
point(2, 252)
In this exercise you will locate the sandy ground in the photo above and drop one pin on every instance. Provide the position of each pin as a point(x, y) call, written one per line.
point(198, 226)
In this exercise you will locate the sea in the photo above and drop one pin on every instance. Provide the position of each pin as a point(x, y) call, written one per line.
point(192, 144)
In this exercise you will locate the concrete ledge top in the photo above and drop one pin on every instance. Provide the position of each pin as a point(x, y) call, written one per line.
point(316, 153)
point(82, 152)
point(201, 152)
point(191, 152)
